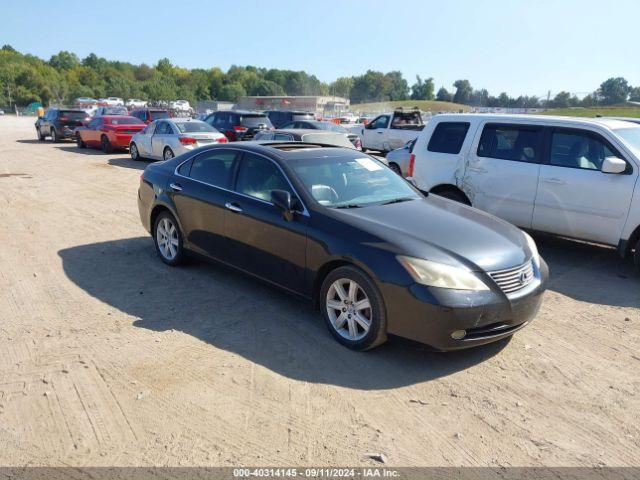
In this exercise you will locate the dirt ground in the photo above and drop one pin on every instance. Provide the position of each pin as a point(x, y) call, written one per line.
point(108, 357)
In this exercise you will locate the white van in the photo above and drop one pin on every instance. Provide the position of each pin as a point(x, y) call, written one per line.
point(574, 177)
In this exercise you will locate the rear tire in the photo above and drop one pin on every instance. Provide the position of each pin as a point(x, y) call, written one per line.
point(344, 314)
point(167, 154)
point(54, 135)
point(40, 135)
point(454, 195)
point(168, 239)
point(133, 151)
point(106, 145)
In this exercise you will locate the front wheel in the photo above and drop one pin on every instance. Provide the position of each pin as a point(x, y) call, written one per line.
point(106, 145)
point(80, 142)
point(168, 239)
point(167, 154)
point(40, 135)
point(133, 151)
point(353, 309)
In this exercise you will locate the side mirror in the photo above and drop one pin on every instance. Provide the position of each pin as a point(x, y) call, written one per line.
point(283, 202)
point(613, 165)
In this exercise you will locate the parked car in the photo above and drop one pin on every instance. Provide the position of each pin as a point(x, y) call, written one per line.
point(148, 115)
point(575, 177)
point(1, 112)
point(108, 132)
point(133, 103)
point(111, 110)
point(335, 226)
point(60, 123)
point(328, 126)
point(239, 125)
point(309, 136)
point(400, 158)
point(391, 130)
point(112, 101)
point(165, 139)
point(280, 117)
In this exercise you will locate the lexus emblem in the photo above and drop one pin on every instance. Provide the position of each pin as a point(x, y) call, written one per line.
point(523, 277)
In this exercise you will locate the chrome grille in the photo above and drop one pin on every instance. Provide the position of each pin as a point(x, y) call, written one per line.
point(511, 280)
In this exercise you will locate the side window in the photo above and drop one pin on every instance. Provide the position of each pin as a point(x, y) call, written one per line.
point(283, 136)
point(573, 149)
point(448, 137)
point(185, 168)
point(520, 143)
point(213, 167)
point(258, 176)
point(162, 129)
point(381, 122)
point(263, 136)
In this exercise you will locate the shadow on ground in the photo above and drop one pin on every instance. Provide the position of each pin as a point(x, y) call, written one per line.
point(239, 314)
point(590, 273)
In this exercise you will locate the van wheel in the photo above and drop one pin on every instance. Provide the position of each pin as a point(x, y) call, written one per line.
point(454, 195)
point(353, 309)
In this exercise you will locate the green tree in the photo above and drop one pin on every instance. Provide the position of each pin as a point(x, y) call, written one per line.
point(444, 95)
point(614, 90)
point(634, 94)
point(231, 92)
point(422, 89)
point(341, 87)
point(64, 60)
point(464, 91)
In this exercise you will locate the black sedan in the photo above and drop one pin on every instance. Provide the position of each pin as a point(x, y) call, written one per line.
point(340, 228)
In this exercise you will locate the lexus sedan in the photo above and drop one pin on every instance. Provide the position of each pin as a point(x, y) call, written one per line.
point(337, 227)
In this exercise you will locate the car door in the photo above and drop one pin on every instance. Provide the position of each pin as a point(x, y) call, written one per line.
point(261, 241)
point(88, 134)
point(374, 132)
point(200, 193)
point(575, 198)
point(48, 119)
point(143, 140)
point(501, 174)
point(159, 139)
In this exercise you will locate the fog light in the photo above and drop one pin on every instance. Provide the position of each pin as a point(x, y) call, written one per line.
point(458, 334)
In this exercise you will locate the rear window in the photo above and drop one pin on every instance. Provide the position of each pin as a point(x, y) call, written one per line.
point(73, 114)
point(303, 116)
point(448, 137)
point(194, 127)
point(328, 138)
point(510, 142)
point(158, 114)
point(255, 120)
point(401, 120)
point(115, 111)
point(125, 121)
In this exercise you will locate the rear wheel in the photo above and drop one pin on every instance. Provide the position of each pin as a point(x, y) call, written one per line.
point(167, 154)
point(80, 142)
point(168, 239)
point(106, 145)
point(133, 151)
point(40, 135)
point(353, 309)
point(54, 135)
point(454, 195)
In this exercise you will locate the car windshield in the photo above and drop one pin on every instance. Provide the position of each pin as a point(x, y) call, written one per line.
point(631, 135)
point(351, 181)
point(332, 127)
point(126, 121)
point(158, 114)
point(255, 120)
point(194, 127)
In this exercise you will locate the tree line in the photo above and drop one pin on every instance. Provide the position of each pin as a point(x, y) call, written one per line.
point(26, 78)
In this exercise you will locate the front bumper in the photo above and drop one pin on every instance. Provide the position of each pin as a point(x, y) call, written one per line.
point(430, 315)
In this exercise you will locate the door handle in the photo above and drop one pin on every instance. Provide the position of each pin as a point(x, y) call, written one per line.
point(233, 207)
point(557, 181)
point(175, 187)
point(380, 132)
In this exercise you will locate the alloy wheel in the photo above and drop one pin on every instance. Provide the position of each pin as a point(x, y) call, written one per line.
point(167, 238)
point(168, 154)
point(133, 150)
point(349, 309)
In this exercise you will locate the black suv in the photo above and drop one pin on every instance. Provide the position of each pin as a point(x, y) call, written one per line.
point(60, 123)
point(280, 117)
point(239, 125)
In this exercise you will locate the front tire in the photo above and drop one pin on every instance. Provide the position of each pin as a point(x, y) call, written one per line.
point(133, 151)
point(168, 239)
point(106, 145)
point(167, 154)
point(353, 309)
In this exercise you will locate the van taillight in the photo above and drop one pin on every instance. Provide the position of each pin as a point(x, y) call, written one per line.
point(412, 161)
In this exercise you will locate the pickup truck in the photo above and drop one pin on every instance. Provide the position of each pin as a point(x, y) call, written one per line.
point(389, 131)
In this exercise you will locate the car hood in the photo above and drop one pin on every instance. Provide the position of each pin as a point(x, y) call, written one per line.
point(443, 231)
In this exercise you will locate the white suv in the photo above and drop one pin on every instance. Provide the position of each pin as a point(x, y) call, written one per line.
point(568, 176)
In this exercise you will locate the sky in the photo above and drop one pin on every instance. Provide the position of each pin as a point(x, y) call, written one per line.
point(519, 47)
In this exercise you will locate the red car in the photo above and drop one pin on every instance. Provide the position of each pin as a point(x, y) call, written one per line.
point(109, 132)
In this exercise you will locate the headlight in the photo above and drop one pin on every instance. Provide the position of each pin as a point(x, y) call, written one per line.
point(436, 274)
point(534, 249)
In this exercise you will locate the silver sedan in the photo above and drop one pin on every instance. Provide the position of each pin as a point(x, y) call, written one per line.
point(399, 159)
point(170, 137)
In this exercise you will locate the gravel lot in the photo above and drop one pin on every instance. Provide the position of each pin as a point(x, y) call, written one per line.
point(108, 357)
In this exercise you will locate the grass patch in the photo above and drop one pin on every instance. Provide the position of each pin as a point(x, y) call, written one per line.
point(424, 105)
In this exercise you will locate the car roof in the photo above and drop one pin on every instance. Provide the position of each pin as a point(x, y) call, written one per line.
point(116, 117)
point(303, 131)
point(609, 123)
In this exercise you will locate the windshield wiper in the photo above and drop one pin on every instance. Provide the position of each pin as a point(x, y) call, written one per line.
point(349, 205)
point(398, 200)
